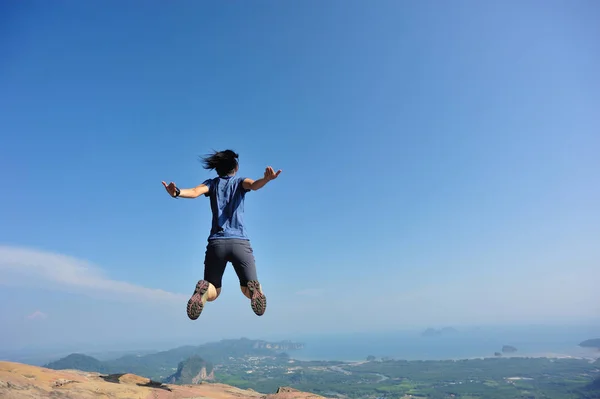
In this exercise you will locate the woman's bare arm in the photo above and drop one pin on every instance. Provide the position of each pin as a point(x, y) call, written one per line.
point(254, 185)
point(195, 192)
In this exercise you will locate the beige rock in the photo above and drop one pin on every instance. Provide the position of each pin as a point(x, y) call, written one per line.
point(21, 381)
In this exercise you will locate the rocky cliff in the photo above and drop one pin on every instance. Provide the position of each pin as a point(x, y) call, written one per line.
point(20, 381)
point(192, 371)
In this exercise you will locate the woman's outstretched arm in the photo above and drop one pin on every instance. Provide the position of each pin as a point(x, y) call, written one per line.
point(195, 192)
point(254, 185)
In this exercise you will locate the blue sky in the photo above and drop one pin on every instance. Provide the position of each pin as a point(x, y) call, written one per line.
point(440, 164)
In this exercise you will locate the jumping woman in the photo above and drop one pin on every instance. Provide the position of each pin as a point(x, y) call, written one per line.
point(227, 241)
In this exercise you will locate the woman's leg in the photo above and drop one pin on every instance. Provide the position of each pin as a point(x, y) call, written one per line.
point(208, 289)
point(242, 259)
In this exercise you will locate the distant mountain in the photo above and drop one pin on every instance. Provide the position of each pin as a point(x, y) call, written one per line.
point(591, 343)
point(192, 371)
point(432, 332)
point(161, 365)
point(77, 361)
point(508, 349)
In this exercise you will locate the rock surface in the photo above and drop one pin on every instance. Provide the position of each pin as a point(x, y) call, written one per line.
point(21, 381)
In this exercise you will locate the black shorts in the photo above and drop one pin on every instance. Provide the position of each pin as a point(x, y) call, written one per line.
point(238, 252)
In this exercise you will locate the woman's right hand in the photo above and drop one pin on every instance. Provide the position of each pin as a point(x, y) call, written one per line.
point(270, 174)
point(171, 188)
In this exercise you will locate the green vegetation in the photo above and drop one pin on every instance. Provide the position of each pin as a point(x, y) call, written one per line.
point(265, 367)
point(77, 361)
point(161, 365)
point(478, 378)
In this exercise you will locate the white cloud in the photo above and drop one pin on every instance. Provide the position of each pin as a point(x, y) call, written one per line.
point(26, 266)
point(37, 315)
point(547, 291)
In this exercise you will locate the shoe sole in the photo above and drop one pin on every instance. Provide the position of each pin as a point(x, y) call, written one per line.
point(196, 304)
point(258, 300)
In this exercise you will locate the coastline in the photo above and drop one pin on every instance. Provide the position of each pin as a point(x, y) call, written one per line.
point(353, 348)
point(581, 354)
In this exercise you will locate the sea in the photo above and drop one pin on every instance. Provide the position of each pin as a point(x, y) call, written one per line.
point(458, 344)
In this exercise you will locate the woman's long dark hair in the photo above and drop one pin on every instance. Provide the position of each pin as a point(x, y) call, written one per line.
point(224, 162)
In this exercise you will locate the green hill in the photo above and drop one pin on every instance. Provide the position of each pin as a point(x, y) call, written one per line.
point(77, 361)
point(161, 365)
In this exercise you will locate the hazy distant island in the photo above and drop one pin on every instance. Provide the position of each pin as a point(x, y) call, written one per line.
point(432, 332)
point(591, 343)
point(505, 349)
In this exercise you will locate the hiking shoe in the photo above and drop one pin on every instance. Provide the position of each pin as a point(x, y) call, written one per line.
point(258, 300)
point(198, 299)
